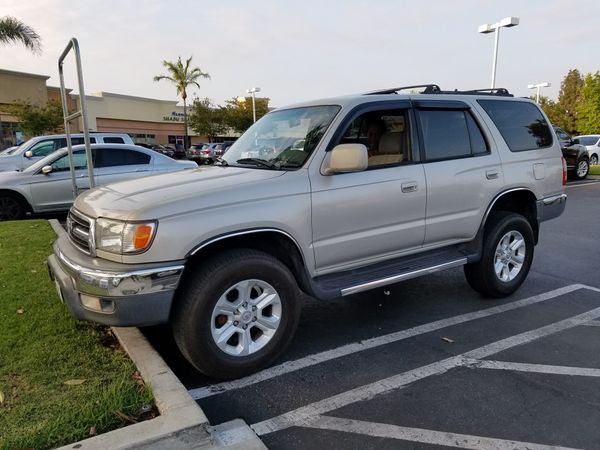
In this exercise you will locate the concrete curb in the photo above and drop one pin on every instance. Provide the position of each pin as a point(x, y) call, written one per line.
point(182, 423)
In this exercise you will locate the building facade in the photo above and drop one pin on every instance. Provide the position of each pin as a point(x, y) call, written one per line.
point(147, 120)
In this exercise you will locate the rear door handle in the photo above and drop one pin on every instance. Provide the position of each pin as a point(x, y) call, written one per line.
point(410, 186)
point(492, 174)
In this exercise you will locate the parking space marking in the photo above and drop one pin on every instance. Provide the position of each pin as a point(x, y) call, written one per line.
point(534, 368)
point(366, 392)
point(592, 323)
point(344, 350)
point(585, 183)
point(382, 430)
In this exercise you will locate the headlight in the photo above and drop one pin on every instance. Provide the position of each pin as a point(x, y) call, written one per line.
point(119, 237)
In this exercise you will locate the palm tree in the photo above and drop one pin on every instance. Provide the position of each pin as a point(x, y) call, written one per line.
point(13, 30)
point(182, 76)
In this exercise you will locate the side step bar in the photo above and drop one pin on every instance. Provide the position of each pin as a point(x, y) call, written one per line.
point(402, 276)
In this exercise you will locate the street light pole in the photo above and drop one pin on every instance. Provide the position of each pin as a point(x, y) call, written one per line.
point(253, 91)
point(495, 27)
point(538, 86)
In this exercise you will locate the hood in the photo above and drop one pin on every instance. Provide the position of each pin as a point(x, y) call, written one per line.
point(175, 193)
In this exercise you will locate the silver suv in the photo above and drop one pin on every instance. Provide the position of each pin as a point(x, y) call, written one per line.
point(384, 187)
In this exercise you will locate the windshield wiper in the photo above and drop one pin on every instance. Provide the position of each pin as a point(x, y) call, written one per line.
point(257, 162)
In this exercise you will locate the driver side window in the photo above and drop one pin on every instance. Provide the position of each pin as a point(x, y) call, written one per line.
point(43, 148)
point(386, 134)
point(62, 164)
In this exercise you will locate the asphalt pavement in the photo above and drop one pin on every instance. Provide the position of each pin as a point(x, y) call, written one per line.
point(429, 363)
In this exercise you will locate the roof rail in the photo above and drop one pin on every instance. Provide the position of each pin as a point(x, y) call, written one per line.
point(429, 89)
point(435, 89)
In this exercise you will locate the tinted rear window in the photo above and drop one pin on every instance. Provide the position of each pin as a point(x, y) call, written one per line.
point(113, 140)
point(588, 140)
point(521, 124)
point(110, 157)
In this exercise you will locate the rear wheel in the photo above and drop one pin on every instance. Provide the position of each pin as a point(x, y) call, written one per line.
point(582, 169)
point(507, 256)
point(12, 207)
point(593, 160)
point(236, 314)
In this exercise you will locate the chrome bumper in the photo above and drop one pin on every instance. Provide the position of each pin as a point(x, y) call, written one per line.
point(551, 207)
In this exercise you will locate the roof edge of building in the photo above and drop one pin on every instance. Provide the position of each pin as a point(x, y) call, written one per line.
point(27, 74)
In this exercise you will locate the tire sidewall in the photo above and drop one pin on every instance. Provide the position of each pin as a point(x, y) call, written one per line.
point(22, 208)
point(512, 222)
point(198, 316)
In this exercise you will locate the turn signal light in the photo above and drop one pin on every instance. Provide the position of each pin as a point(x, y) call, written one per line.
point(142, 236)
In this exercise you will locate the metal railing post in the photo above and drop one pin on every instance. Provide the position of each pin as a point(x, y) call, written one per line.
point(82, 112)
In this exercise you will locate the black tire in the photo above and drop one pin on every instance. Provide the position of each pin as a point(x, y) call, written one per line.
point(581, 173)
point(192, 318)
point(12, 207)
point(481, 275)
point(593, 160)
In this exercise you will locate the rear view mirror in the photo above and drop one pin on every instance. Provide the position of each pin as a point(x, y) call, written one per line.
point(28, 154)
point(46, 170)
point(345, 158)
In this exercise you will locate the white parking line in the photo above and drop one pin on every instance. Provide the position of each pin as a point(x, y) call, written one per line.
point(535, 368)
point(300, 415)
point(592, 323)
point(585, 183)
point(328, 355)
point(382, 430)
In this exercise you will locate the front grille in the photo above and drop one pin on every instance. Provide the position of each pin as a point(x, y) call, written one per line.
point(80, 230)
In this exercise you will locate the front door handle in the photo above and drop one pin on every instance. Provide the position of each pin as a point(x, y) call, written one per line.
point(410, 186)
point(492, 174)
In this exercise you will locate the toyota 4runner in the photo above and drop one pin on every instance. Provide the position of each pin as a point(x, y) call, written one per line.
point(384, 187)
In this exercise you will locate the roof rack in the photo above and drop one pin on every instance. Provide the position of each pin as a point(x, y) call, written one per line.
point(435, 89)
point(429, 89)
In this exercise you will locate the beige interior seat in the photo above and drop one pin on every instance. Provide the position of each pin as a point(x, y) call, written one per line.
point(390, 149)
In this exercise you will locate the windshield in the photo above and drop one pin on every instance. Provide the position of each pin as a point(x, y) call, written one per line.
point(588, 140)
point(282, 139)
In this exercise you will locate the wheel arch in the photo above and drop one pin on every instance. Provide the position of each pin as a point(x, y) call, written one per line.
point(519, 200)
point(273, 241)
point(19, 195)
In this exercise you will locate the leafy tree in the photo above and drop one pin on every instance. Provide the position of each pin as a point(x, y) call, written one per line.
point(238, 112)
point(13, 31)
point(550, 108)
point(38, 120)
point(207, 119)
point(568, 99)
point(182, 76)
point(588, 109)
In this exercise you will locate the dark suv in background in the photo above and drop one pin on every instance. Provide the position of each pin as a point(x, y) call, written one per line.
point(576, 155)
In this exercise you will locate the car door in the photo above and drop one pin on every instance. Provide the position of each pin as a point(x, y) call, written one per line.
point(362, 217)
point(121, 163)
point(463, 174)
point(54, 191)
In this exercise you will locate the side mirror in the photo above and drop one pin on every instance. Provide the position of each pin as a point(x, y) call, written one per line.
point(345, 158)
point(28, 154)
point(46, 170)
point(575, 141)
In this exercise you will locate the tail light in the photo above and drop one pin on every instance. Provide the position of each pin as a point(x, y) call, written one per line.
point(206, 152)
point(564, 167)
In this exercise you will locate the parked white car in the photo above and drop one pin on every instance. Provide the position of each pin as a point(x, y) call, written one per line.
point(592, 144)
point(46, 186)
point(39, 147)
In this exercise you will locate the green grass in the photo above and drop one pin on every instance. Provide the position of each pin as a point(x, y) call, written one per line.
point(41, 347)
point(595, 170)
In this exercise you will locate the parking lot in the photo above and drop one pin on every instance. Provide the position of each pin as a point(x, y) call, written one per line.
point(429, 363)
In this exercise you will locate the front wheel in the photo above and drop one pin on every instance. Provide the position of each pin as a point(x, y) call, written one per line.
point(236, 313)
point(582, 169)
point(11, 207)
point(507, 256)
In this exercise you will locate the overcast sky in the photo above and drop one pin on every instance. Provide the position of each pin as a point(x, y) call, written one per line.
point(298, 50)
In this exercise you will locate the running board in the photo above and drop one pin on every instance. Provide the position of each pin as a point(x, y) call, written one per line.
point(401, 277)
point(383, 273)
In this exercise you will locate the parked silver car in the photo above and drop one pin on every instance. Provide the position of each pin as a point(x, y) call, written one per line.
point(592, 144)
point(39, 147)
point(46, 186)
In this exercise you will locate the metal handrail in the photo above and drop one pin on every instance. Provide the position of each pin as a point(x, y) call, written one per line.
point(82, 112)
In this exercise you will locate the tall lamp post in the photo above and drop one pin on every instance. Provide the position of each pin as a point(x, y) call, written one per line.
point(495, 27)
point(253, 91)
point(538, 86)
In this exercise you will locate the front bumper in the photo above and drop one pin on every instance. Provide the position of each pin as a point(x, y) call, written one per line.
point(551, 207)
point(112, 293)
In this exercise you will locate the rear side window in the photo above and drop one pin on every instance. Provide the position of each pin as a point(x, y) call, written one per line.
point(450, 134)
point(113, 140)
point(111, 157)
point(521, 124)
